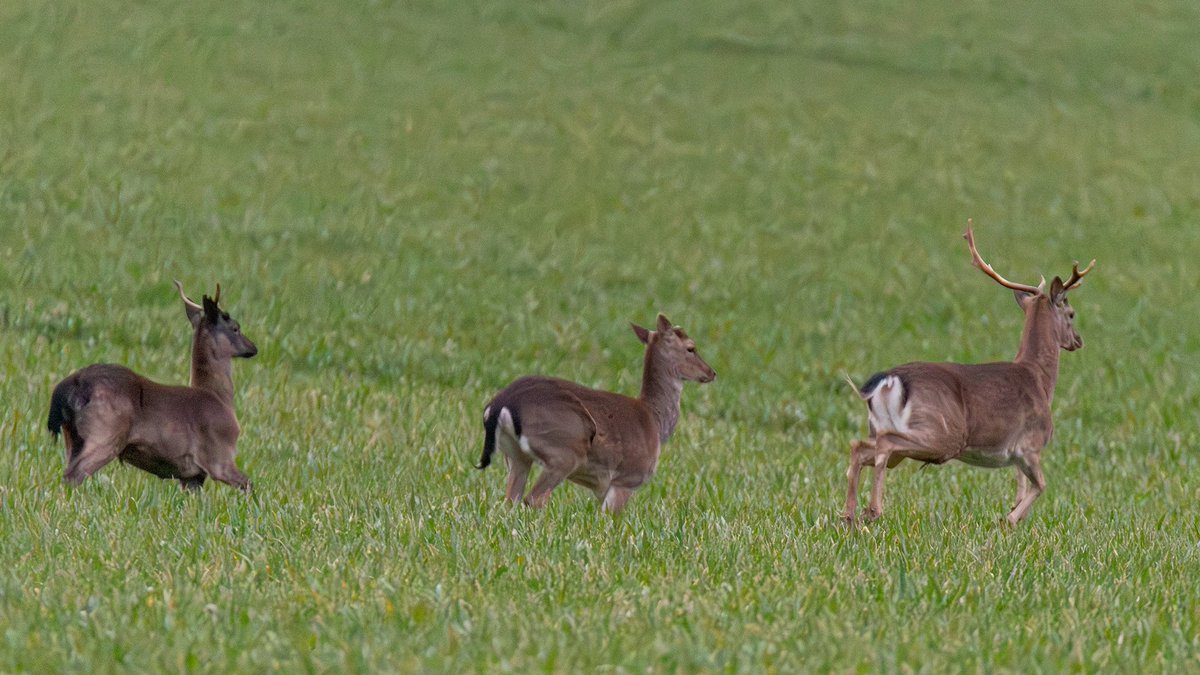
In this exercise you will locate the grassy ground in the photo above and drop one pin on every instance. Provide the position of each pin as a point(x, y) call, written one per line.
point(409, 204)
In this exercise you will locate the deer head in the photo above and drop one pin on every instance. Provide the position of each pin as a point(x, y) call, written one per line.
point(224, 333)
point(1032, 297)
point(675, 351)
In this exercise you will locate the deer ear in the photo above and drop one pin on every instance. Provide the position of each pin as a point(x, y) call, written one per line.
point(211, 312)
point(1023, 298)
point(1057, 289)
point(664, 324)
point(641, 333)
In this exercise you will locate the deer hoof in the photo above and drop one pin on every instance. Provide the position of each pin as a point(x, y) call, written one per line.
point(873, 514)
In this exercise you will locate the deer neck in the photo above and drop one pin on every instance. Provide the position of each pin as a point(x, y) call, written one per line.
point(1039, 345)
point(210, 371)
point(661, 390)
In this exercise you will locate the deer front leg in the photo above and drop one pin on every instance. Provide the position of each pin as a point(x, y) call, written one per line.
point(861, 453)
point(1031, 466)
point(1022, 487)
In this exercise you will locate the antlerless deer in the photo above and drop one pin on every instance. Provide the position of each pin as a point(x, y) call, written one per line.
point(989, 415)
point(606, 442)
point(108, 412)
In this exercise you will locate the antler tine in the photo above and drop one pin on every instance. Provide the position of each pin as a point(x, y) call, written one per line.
point(186, 300)
point(977, 261)
point(217, 297)
point(1077, 276)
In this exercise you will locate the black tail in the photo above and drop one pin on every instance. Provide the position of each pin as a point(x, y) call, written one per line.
point(60, 406)
point(63, 403)
point(489, 436)
point(489, 431)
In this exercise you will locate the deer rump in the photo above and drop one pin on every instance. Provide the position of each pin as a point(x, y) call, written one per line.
point(160, 428)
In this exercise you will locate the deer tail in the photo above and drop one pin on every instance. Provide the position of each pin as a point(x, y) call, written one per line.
point(496, 416)
point(69, 396)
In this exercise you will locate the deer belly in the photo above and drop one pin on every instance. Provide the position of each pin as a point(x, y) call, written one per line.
point(988, 458)
point(148, 460)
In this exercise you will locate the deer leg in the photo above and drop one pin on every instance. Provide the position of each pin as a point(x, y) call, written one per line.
point(861, 453)
point(551, 476)
point(1031, 466)
point(875, 507)
point(518, 473)
point(192, 484)
point(228, 473)
point(1022, 487)
point(615, 498)
point(91, 458)
point(68, 444)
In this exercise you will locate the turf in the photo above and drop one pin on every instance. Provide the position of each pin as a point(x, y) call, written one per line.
point(410, 204)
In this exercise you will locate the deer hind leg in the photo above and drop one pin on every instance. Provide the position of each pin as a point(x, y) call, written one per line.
point(89, 459)
point(615, 498)
point(861, 454)
point(518, 473)
point(1031, 466)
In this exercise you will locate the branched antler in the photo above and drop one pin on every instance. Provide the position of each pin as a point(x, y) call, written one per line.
point(1077, 276)
point(987, 269)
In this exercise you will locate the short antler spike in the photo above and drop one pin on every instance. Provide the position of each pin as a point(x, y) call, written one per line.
point(186, 300)
point(977, 260)
point(217, 297)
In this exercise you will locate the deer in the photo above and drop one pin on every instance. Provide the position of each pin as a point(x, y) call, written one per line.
point(606, 442)
point(989, 415)
point(187, 433)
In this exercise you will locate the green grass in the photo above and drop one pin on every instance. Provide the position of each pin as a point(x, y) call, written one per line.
point(410, 204)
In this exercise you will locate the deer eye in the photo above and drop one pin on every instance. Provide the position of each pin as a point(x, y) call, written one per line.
point(691, 349)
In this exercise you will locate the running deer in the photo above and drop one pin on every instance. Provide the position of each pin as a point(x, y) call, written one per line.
point(989, 415)
point(606, 442)
point(108, 412)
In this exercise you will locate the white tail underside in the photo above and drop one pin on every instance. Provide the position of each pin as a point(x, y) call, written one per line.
point(886, 408)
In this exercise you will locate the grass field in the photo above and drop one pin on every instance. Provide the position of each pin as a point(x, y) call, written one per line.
point(410, 204)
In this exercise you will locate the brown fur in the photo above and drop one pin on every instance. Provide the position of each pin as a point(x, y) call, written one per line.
point(989, 415)
point(108, 412)
point(606, 442)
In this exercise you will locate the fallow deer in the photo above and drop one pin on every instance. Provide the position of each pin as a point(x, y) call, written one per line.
point(989, 415)
point(108, 412)
point(606, 442)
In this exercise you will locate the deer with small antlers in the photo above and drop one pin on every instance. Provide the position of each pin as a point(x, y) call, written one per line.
point(108, 412)
point(606, 442)
point(990, 415)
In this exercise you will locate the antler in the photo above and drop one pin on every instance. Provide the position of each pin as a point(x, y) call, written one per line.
point(1077, 276)
point(977, 261)
point(186, 300)
point(217, 297)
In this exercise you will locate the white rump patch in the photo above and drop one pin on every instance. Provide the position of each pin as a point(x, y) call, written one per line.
point(485, 412)
point(506, 424)
point(886, 409)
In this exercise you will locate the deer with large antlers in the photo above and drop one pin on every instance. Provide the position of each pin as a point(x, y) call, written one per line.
point(990, 415)
point(108, 412)
point(606, 442)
